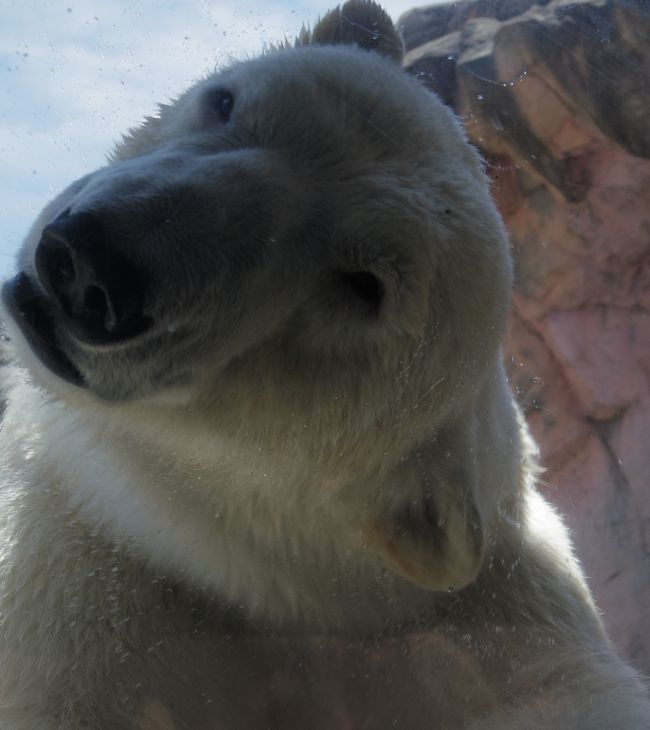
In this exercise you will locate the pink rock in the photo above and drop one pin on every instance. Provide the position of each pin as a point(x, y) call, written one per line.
point(633, 457)
point(544, 393)
point(601, 351)
point(608, 533)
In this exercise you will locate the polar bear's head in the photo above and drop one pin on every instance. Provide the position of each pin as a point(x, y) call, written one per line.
point(302, 245)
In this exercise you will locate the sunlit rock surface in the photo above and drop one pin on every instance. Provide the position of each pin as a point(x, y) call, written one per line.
point(557, 96)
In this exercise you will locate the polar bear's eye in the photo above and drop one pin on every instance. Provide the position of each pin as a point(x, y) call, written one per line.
point(222, 102)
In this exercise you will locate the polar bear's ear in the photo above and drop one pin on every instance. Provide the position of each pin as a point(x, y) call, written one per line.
point(429, 529)
point(360, 22)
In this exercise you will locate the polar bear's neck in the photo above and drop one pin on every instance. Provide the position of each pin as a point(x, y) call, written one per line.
point(217, 526)
point(244, 524)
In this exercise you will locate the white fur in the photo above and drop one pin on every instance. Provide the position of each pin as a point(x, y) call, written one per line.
point(273, 462)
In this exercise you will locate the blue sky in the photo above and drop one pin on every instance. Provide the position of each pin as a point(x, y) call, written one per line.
point(74, 74)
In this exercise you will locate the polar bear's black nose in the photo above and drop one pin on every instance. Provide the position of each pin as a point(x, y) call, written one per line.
point(99, 292)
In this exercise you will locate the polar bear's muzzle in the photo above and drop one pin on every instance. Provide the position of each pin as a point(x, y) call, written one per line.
point(153, 271)
point(84, 289)
point(97, 291)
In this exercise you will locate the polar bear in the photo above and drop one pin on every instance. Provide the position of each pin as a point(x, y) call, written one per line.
point(260, 465)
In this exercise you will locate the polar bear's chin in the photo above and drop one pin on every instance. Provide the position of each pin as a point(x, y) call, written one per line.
point(27, 309)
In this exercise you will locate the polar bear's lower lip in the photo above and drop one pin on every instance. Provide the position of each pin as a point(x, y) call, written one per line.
point(30, 311)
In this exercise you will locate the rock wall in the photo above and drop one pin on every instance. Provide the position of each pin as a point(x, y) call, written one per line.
point(557, 97)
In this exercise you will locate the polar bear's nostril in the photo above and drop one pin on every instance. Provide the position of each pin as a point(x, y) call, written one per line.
point(96, 304)
point(365, 287)
point(97, 289)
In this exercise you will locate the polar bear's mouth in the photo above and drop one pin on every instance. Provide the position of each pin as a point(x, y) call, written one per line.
point(29, 309)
